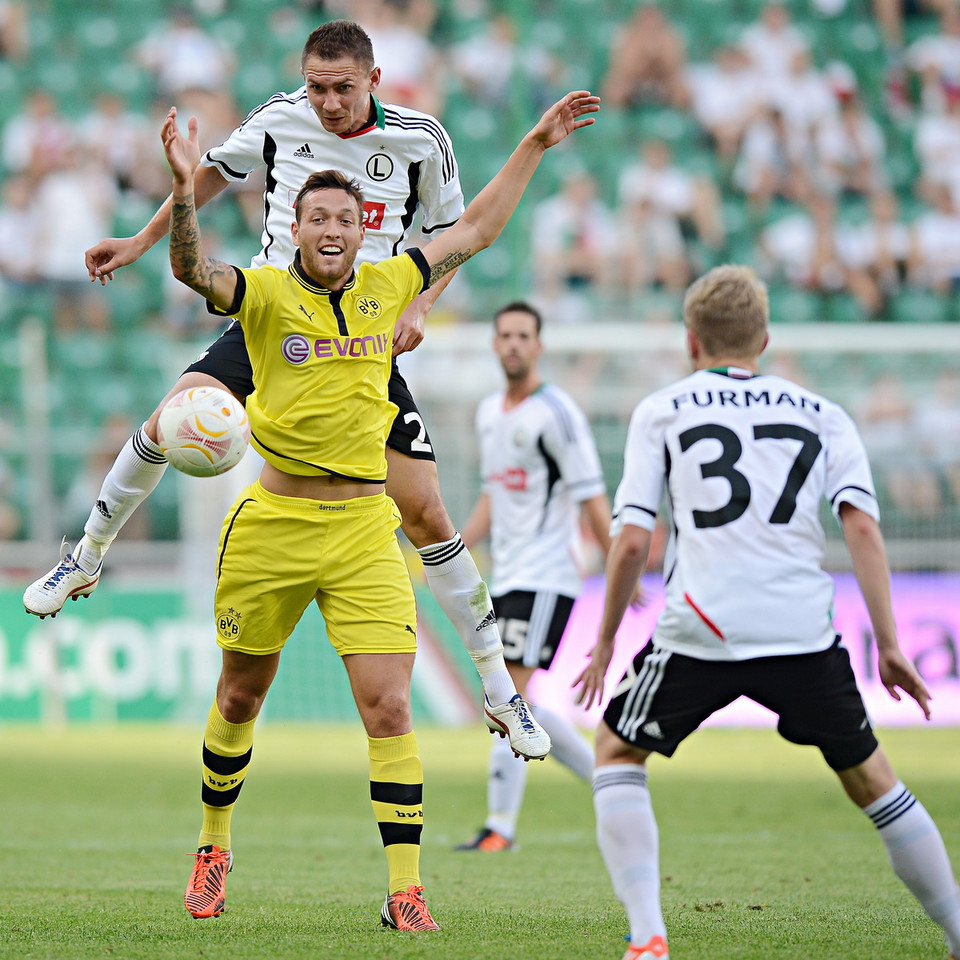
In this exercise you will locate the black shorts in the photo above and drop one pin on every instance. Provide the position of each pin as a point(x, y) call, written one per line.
point(226, 360)
point(663, 697)
point(531, 625)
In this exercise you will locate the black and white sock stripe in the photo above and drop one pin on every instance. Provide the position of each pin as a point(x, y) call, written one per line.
point(619, 778)
point(146, 449)
point(440, 553)
point(893, 810)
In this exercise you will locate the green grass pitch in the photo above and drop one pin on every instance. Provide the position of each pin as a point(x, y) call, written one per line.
point(763, 858)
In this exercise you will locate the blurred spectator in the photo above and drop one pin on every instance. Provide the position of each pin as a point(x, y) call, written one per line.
point(649, 249)
point(850, 150)
point(804, 96)
point(801, 247)
point(120, 139)
point(647, 63)
point(490, 62)
point(36, 138)
point(890, 16)
point(19, 235)
point(74, 205)
point(419, 15)
point(875, 253)
point(14, 32)
point(182, 56)
point(153, 175)
point(887, 426)
point(411, 65)
point(724, 97)
point(774, 161)
point(937, 146)
point(217, 113)
point(571, 245)
point(938, 429)
point(935, 58)
point(772, 42)
point(693, 201)
point(935, 244)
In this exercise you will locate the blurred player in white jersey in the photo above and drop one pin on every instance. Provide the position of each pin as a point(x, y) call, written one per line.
point(404, 162)
point(540, 473)
point(745, 460)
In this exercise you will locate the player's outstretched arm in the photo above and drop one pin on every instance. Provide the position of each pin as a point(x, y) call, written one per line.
point(869, 557)
point(112, 253)
point(625, 565)
point(488, 213)
point(213, 279)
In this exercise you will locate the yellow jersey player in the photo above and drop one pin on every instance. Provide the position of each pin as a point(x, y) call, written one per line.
point(318, 524)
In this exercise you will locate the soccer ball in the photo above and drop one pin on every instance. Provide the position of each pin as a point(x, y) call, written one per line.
point(203, 431)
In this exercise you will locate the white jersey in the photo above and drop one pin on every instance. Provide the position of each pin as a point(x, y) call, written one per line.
point(745, 461)
point(538, 462)
point(403, 160)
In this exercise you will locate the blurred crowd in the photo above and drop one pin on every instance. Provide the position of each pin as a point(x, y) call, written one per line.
point(787, 162)
point(798, 162)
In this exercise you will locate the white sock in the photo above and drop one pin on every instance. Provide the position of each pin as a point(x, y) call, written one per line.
point(132, 478)
point(919, 858)
point(456, 584)
point(628, 840)
point(506, 782)
point(568, 744)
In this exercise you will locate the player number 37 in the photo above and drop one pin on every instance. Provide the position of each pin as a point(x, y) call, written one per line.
point(725, 466)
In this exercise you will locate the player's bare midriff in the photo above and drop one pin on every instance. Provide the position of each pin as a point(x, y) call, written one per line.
point(315, 488)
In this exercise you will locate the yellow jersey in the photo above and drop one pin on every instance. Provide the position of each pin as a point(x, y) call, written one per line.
point(321, 363)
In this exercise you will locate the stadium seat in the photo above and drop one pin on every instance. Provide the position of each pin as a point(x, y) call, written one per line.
point(920, 306)
point(792, 305)
point(844, 308)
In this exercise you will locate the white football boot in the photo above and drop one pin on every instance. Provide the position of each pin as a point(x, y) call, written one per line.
point(66, 581)
point(514, 720)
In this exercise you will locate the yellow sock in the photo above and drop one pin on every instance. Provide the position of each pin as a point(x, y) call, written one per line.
point(226, 755)
point(396, 791)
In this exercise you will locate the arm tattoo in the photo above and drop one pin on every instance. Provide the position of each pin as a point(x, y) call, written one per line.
point(450, 262)
point(186, 251)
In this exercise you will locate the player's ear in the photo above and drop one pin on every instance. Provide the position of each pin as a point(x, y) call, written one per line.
point(295, 231)
point(374, 79)
point(693, 345)
point(766, 340)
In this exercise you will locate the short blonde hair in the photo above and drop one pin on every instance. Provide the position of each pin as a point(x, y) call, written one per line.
point(728, 309)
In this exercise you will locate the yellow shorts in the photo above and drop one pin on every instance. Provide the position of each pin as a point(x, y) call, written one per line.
point(279, 553)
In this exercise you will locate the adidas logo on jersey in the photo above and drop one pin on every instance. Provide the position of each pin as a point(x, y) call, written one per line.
point(652, 729)
point(304, 152)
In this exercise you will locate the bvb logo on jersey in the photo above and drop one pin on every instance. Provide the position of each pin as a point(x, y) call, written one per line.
point(369, 307)
point(228, 624)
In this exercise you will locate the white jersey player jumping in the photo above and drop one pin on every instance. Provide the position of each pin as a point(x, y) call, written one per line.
point(405, 165)
point(744, 460)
